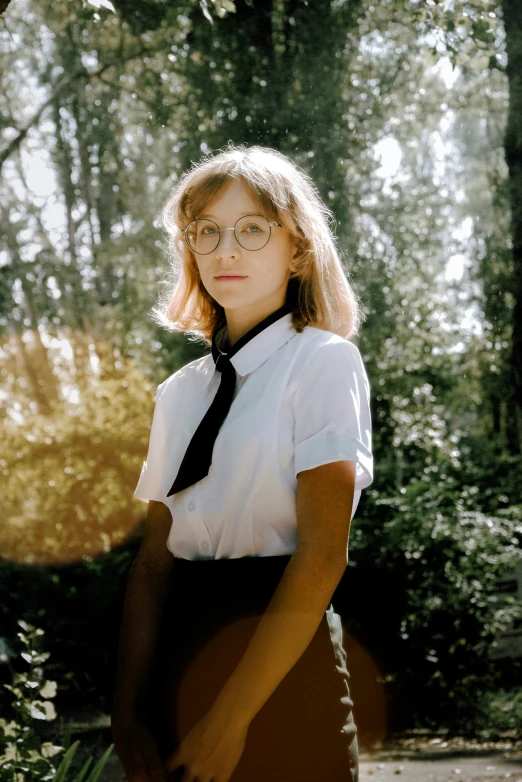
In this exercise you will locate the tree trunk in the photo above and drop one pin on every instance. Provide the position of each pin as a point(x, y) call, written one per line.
point(41, 363)
point(512, 10)
point(28, 369)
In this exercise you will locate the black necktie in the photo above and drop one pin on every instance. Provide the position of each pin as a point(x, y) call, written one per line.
point(198, 456)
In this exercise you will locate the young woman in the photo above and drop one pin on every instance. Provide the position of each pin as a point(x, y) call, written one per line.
point(231, 664)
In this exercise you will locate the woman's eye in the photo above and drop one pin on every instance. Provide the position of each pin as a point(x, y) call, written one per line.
point(208, 230)
point(252, 228)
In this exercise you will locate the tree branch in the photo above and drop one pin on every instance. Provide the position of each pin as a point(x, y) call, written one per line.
point(15, 143)
point(65, 82)
point(3, 5)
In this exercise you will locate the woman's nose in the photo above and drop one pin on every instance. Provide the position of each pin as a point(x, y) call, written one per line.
point(228, 240)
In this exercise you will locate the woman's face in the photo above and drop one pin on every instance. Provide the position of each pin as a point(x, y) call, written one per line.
point(264, 273)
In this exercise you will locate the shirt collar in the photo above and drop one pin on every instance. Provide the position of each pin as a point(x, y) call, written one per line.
point(258, 349)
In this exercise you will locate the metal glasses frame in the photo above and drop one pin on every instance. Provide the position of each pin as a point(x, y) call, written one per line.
point(229, 228)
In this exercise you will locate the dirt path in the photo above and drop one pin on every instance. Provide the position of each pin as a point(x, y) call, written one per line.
point(491, 768)
point(411, 758)
point(438, 760)
point(465, 769)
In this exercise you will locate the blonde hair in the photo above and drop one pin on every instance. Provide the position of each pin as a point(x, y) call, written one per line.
point(319, 290)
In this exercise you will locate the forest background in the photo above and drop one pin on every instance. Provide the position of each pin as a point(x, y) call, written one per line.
point(408, 116)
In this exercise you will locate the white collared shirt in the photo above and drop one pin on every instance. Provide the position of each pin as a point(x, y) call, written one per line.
point(301, 400)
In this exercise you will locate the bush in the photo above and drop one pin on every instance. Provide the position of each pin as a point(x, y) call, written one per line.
point(426, 564)
point(502, 711)
point(70, 603)
point(24, 757)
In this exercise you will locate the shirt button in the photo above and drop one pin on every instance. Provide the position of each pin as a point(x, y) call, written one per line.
point(191, 506)
point(204, 545)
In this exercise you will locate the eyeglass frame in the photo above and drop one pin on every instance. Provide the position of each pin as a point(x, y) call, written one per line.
point(230, 228)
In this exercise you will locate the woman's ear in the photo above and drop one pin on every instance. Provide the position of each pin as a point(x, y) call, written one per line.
point(294, 249)
point(297, 251)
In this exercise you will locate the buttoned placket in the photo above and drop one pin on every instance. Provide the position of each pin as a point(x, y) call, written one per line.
point(197, 523)
point(195, 518)
point(204, 543)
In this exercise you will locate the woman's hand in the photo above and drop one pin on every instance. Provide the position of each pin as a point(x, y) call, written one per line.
point(137, 750)
point(210, 751)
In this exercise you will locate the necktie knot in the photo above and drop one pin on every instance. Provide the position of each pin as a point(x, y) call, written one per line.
point(222, 362)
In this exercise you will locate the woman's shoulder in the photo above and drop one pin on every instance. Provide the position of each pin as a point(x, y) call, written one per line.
point(187, 378)
point(331, 365)
point(331, 346)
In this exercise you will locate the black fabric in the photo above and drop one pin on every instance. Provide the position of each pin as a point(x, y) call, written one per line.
point(198, 456)
point(211, 613)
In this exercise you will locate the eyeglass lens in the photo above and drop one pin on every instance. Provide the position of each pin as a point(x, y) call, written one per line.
point(252, 233)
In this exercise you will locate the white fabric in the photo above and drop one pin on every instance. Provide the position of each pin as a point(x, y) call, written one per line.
point(301, 400)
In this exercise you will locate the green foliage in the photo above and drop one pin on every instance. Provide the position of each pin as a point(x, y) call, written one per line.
point(24, 757)
point(434, 560)
point(221, 7)
point(502, 711)
point(71, 603)
point(67, 472)
point(327, 83)
point(467, 30)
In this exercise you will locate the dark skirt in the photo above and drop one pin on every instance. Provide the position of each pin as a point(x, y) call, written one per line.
point(305, 731)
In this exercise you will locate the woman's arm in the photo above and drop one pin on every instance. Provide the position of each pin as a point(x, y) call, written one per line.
point(324, 504)
point(147, 588)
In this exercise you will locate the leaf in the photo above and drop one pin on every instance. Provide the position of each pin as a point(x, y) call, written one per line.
point(479, 63)
point(10, 752)
point(462, 58)
point(102, 4)
point(98, 768)
point(42, 710)
point(36, 712)
point(48, 690)
point(49, 749)
point(206, 12)
point(224, 6)
point(15, 690)
point(8, 728)
point(41, 658)
point(67, 737)
point(82, 772)
point(62, 769)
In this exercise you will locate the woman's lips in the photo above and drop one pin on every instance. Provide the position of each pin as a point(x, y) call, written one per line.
point(226, 277)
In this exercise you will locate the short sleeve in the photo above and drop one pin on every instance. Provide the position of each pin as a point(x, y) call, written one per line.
point(150, 481)
point(332, 412)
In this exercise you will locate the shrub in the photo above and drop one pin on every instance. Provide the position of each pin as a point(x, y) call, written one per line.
point(24, 757)
point(426, 564)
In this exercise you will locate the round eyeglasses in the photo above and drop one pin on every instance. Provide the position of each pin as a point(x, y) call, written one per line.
point(252, 232)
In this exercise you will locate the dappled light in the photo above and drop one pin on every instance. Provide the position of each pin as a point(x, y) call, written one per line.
point(406, 115)
point(74, 429)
